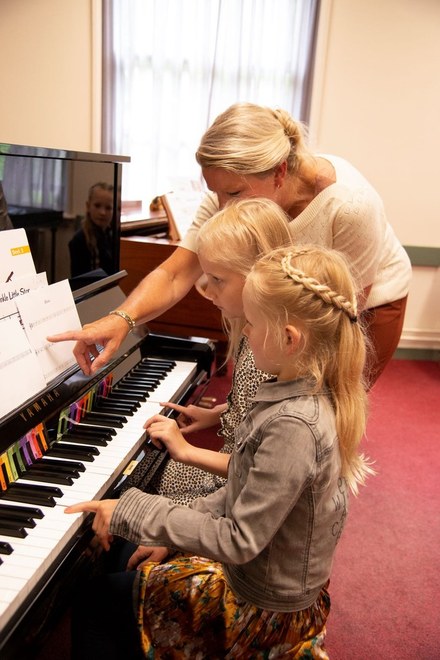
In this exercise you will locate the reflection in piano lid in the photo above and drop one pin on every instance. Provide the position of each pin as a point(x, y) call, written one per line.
point(73, 443)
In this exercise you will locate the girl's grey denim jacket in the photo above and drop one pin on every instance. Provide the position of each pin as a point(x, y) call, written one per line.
point(276, 523)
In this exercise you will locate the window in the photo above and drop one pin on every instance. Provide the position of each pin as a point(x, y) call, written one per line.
point(171, 66)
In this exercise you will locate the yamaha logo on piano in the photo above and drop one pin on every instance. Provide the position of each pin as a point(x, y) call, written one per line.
point(39, 404)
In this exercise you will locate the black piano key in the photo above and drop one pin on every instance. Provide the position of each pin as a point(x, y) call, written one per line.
point(162, 362)
point(52, 491)
point(21, 510)
point(94, 431)
point(28, 497)
point(126, 410)
point(131, 393)
point(74, 466)
point(152, 379)
point(47, 476)
point(6, 548)
point(166, 365)
point(49, 465)
point(140, 380)
point(137, 390)
point(107, 423)
point(112, 400)
point(40, 495)
point(15, 532)
point(159, 374)
point(111, 419)
point(65, 450)
point(26, 521)
point(144, 375)
point(124, 396)
point(87, 440)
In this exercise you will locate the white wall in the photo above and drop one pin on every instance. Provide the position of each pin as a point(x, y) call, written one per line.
point(377, 102)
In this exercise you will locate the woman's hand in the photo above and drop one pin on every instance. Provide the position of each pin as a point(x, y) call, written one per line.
point(195, 418)
point(103, 511)
point(109, 332)
point(144, 554)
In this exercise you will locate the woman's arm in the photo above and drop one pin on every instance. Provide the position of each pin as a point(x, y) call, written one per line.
point(156, 293)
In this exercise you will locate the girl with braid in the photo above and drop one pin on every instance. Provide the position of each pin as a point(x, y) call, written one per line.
point(255, 151)
point(252, 578)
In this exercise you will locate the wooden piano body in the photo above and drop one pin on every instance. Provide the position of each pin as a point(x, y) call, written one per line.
point(37, 577)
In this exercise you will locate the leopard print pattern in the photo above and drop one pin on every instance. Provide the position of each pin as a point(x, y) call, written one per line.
point(184, 483)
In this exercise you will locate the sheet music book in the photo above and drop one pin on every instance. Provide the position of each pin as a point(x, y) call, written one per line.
point(15, 255)
point(49, 311)
point(181, 206)
point(21, 376)
point(20, 286)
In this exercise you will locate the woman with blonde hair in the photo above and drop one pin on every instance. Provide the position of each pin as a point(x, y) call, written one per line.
point(256, 151)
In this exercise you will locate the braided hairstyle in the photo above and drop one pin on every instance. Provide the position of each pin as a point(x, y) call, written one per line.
point(312, 289)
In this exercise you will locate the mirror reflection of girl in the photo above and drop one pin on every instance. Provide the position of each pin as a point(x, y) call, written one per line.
point(91, 247)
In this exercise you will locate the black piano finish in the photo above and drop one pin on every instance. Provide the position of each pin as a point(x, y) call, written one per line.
point(45, 190)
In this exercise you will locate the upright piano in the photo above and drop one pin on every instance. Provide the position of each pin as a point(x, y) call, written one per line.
point(77, 439)
point(74, 442)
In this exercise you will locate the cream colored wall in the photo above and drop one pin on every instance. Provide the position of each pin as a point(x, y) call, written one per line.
point(376, 102)
point(48, 73)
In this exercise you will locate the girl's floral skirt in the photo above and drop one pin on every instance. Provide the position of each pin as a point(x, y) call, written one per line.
point(187, 610)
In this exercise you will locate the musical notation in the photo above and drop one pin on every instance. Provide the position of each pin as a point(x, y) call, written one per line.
point(48, 311)
point(20, 373)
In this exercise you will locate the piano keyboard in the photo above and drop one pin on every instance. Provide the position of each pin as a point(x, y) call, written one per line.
point(34, 530)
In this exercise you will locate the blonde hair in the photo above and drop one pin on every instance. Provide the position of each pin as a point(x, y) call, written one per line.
point(237, 236)
point(87, 224)
point(253, 139)
point(311, 288)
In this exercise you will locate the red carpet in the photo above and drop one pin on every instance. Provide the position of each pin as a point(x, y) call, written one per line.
point(385, 579)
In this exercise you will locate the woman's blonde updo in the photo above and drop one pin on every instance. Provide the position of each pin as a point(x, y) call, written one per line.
point(252, 139)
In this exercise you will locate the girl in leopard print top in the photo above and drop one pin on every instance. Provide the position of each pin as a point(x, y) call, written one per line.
point(228, 246)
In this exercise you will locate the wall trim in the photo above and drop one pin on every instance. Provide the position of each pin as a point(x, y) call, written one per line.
point(416, 338)
point(428, 354)
point(423, 256)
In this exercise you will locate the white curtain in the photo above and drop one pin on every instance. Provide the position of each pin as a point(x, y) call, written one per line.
point(171, 66)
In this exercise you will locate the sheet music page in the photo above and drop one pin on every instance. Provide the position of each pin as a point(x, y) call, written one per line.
point(48, 311)
point(15, 255)
point(21, 376)
point(20, 286)
point(181, 206)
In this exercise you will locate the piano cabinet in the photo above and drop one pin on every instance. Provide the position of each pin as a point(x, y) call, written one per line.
point(193, 316)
